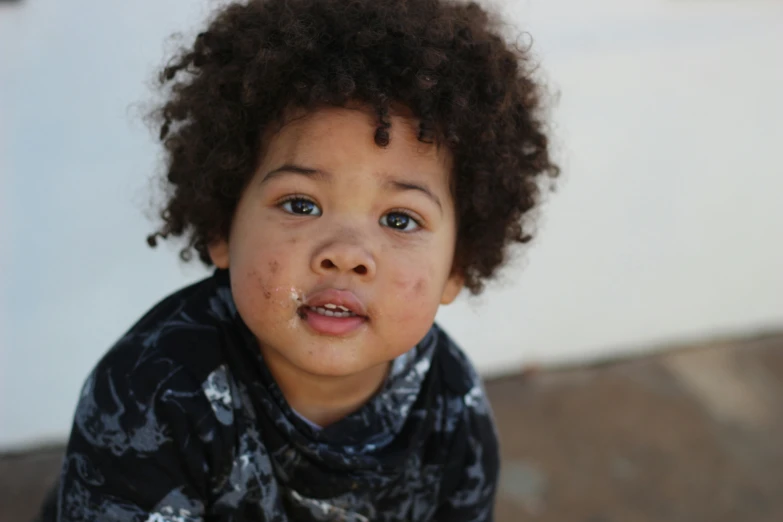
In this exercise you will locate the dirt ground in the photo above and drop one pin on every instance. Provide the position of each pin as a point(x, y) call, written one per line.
point(692, 435)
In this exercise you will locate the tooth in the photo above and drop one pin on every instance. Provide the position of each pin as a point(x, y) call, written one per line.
point(330, 306)
point(329, 313)
point(344, 309)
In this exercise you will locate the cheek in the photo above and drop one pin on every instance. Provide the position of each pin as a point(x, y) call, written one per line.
point(415, 280)
point(253, 288)
point(411, 287)
point(263, 291)
point(410, 309)
point(415, 293)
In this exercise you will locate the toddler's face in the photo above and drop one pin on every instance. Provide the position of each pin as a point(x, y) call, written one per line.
point(341, 251)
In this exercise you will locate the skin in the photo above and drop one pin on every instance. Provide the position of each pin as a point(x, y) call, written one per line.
point(348, 231)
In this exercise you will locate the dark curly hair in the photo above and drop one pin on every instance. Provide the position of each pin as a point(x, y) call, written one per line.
point(446, 61)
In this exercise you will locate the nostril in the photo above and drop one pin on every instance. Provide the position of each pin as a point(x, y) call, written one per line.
point(327, 264)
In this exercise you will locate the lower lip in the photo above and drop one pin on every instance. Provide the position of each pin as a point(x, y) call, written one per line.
point(323, 324)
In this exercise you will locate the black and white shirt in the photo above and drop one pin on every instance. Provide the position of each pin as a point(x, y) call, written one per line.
point(182, 421)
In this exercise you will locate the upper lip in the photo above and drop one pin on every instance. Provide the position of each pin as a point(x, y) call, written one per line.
point(337, 297)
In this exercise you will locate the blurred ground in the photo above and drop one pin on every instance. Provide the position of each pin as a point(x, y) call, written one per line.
point(693, 435)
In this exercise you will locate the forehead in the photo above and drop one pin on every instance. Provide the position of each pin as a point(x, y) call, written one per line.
point(347, 135)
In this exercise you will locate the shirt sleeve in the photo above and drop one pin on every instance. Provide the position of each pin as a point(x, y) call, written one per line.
point(135, 452)
point(471, 485)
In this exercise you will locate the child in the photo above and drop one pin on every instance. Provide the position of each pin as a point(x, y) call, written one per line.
point(347, 166)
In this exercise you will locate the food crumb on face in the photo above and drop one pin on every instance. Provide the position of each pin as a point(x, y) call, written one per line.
point(296, 297)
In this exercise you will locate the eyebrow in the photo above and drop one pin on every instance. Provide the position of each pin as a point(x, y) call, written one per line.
point(400, 186)
point(393, 184)
point(295, 169)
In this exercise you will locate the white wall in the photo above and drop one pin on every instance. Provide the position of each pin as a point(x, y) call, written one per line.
point(666, 226)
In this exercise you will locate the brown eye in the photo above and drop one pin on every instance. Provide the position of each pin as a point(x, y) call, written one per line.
point(301, 206)
point(399, 221)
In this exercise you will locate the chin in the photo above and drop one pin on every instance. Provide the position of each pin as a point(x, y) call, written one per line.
point(325, 366)
point(331, 371)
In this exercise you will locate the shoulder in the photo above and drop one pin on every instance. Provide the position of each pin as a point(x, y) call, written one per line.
point(474, 455)
point(183, 329)
point(459, 376)
point(467, 414)
point(179, 339)
point(164, 378)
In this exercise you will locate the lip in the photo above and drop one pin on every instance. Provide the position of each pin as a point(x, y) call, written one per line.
point(333, 326)
point(344, 298)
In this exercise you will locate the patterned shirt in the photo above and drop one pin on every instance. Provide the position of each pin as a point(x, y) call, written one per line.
point(182, 421)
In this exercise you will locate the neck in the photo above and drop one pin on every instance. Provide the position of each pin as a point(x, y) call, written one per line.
point(324, 399)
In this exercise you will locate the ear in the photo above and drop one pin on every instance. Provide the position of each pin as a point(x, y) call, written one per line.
point(452, 288)
point(218, 253)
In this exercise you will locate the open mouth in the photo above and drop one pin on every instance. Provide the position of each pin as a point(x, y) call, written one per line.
point(333, 312)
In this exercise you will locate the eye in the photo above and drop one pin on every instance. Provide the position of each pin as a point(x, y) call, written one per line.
point(400, 221)
point(300, 206)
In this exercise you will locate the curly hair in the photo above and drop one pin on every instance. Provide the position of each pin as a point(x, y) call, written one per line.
point(446, 61)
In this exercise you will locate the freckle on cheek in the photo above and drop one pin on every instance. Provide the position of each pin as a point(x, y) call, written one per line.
point(273, 266)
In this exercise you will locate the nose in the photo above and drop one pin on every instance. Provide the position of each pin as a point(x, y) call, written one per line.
point(341, 256)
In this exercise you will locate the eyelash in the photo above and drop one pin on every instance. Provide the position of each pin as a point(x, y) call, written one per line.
point(410, 215)
point(299, 197)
